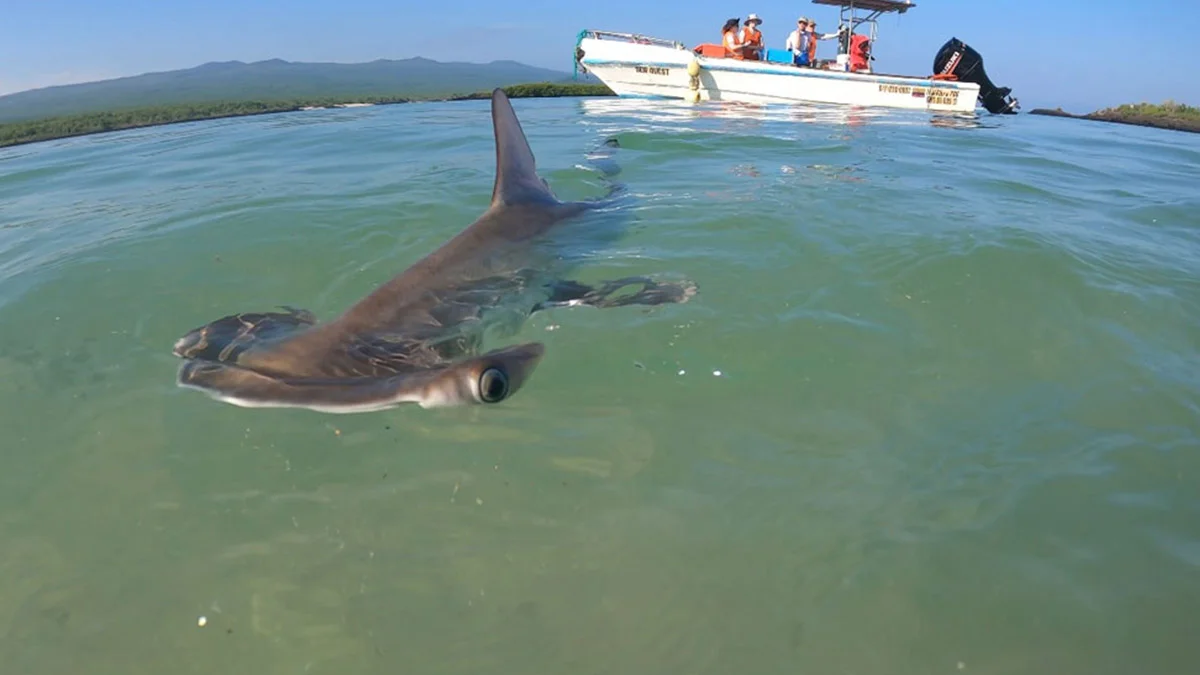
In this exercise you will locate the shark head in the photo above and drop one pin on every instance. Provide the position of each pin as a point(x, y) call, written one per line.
point(490, 378)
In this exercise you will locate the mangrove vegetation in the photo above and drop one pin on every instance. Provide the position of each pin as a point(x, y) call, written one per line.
point(65, 126)
point(542, 90)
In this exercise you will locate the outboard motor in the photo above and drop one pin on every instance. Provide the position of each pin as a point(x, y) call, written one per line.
point(956, 58)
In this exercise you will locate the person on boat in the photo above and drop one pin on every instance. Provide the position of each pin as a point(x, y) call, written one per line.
point(811, 43)
point(797, 42)
point(731, 38)
point(860, 53)
point(752, 38)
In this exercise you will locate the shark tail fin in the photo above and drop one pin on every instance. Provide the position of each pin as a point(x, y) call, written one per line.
point(517, 180)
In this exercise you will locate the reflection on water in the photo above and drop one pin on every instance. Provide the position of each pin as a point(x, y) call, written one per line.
point(662, 114)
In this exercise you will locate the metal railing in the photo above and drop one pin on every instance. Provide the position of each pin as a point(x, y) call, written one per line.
point(633, 37)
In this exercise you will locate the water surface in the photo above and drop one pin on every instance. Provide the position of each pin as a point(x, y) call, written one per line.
point(955, 425)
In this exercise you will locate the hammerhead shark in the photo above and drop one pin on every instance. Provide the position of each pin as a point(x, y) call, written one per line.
point(417, 337)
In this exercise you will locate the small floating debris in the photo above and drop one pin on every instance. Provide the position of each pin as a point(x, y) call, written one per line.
point(202, 621)
point(716, 373)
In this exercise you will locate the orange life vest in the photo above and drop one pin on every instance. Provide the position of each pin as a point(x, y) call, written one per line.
point(730, 41)
point(859, 52)
point(752, 38)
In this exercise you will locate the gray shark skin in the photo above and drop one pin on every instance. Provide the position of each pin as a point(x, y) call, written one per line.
point(417, 337)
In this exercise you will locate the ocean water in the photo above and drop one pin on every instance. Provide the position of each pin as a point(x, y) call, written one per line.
point(935, 407)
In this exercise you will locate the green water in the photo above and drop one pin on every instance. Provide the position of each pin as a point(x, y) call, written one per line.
point(956, 427)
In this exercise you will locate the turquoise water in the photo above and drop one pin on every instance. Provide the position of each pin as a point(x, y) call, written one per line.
point(955, 428)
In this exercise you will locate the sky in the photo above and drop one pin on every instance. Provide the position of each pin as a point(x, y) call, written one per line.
point(1077, 54)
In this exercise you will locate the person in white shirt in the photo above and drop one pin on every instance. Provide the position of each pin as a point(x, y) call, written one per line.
point(802, 42)
point(797, 43)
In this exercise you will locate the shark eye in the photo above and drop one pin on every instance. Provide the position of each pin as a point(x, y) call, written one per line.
point(493, 385)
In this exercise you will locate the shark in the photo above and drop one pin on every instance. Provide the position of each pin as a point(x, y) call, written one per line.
point(418, 338)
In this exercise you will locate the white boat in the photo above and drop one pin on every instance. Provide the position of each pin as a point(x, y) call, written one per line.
point(641, 66)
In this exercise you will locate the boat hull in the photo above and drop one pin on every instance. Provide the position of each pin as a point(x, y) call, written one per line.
point(648, 69)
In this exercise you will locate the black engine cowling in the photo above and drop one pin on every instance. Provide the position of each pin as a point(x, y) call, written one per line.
point(957, 58)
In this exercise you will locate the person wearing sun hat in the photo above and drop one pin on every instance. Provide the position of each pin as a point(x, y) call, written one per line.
point(752, 38)
point(731, 38)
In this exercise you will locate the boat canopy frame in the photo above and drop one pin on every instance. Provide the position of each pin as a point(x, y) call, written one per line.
point(848, 15)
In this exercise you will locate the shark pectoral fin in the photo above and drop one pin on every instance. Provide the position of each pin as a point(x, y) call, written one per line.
point(489, 378)
point(567, 293)
point(517, 180)
point(226, 338)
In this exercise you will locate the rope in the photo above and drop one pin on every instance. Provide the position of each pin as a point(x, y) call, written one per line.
point(575, 58)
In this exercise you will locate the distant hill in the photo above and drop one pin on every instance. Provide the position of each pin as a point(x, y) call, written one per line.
point(275, 79)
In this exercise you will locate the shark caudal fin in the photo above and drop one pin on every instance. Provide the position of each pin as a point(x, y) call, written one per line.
point(517, 180)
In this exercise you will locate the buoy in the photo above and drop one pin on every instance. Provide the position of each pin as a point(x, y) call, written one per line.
point(693, 70)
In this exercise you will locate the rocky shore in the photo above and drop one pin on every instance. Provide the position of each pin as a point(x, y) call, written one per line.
point(1174, 116)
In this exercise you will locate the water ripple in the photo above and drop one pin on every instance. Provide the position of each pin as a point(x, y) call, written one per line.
point(940, 372)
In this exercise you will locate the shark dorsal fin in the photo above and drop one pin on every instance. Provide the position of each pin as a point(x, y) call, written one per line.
point(517, 180)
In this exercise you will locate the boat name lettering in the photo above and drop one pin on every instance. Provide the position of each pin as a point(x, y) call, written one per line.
point(894, 89)
point(653, 70)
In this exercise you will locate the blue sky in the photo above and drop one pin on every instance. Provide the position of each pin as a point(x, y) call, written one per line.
point(1075, 53)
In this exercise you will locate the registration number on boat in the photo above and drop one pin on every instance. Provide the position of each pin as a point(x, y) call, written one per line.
point(940, 96)
point(652, 70)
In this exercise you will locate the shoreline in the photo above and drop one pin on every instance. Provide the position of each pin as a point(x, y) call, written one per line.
point(1156, 117)
point(13, 134)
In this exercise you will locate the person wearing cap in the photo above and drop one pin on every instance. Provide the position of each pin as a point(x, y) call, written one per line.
point(797, 42)
point(802, 42)
point(813, 36)
point(752, 38)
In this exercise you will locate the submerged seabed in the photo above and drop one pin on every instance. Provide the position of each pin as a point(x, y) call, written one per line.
point(954, 427)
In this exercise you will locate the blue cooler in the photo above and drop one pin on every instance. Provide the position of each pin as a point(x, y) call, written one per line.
point(778, 56)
